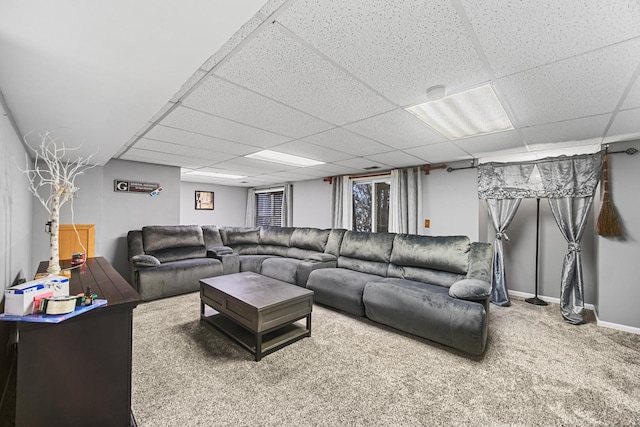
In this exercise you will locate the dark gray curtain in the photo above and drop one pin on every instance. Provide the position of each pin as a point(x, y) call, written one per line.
point(501, 212)
point(569, 183)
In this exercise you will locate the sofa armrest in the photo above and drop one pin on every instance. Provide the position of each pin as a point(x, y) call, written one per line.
point(470, 289)
point(230, 261)
point(306, 267)
point(216, 251)
point(144, 261)
point(320, 257)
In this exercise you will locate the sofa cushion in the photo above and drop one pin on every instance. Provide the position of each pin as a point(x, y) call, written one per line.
point(211, 236)
point(178, 254)
point(233, 236)
point(272, 250)
point(446, 253)
point(470, 289)
point(367, 246)
point(424, 275)
point(363, 266)
point(429, 312)
point(275, 236)
point(312, 239)
point(174, 278)
point(161, 237)
point(334, 241)
point(253, 262)
point(285, 269)
point(298, 253)
point(339, 288)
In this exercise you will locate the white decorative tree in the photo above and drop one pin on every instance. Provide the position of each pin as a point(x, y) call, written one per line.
point(51, 167)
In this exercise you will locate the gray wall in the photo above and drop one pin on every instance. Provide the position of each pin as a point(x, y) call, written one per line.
point(16, 205)
point(229, 204)
point(114, 213)
point(618, 258)
point(450, 202)
point(130, 211)
point(312, 204)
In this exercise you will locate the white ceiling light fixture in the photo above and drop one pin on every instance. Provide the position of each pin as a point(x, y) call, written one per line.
point(474, 112)
point(287, 159)
point(214, 175)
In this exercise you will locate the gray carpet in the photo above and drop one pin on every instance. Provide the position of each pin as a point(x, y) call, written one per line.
point(537, 370)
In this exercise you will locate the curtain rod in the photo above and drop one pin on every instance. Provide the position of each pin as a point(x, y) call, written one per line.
point(628, 151)
point(424, 168)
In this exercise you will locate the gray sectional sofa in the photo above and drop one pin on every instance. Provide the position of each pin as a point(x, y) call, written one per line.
point(437, 287)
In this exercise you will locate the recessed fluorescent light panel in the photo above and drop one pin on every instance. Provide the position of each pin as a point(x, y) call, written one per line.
point(214, 175)
point(287, 159)
point(474, 112)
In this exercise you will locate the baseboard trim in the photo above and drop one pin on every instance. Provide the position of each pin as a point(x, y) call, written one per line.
point(591, 307)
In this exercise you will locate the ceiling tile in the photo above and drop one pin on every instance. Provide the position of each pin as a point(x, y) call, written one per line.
point(626, 126)
point(196, 121)
point(397, 129)
point(275, 65)
point(478, 145)
point(182, 137)
point(396, 159)
point(147, 156)
point(398, 47)
point(359, 164)
point(436, 153)
point(224, 99)
point(348, 142)
point(527, 34)
point(583, 129)
point(585, 85)
point(312, 151)
point(189, 84)
point(633, 97)
point(252, 166)
point(328, 170)
point(182, 150)
point(242, 34)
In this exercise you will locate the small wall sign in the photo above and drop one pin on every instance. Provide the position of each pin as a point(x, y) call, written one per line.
point(125, 186)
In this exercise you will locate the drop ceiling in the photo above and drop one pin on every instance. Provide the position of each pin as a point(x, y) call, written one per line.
point(199, 85)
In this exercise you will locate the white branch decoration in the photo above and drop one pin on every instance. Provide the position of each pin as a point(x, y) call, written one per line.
point(50, 168)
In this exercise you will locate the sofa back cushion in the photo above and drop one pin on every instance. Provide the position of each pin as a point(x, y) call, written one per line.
point(312, 239)
point(424, 275)
point(173, 242)
point(366, 252)
point(445, 253)
point(212, 236)
point(233, 236)
point(334, 241)
point(367, 246)
point(275, 236)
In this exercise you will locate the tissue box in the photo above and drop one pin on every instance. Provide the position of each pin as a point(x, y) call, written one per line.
point(18, 300)
point(58, 284)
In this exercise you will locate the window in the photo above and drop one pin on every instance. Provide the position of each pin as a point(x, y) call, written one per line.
point(370, 203)
point(269, 207)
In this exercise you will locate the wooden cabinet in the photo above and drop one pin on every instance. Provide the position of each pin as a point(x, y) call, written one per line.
point(78, 372)
point(70, 241)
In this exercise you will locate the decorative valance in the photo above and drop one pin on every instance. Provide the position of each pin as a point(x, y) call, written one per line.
point(551, 177)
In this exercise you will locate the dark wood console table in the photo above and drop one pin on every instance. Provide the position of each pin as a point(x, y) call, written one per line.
point(78, 372)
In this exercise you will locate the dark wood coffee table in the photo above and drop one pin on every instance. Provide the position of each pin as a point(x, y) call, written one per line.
point(256, 311)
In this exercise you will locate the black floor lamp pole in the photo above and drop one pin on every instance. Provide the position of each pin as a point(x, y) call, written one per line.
point(535, 300)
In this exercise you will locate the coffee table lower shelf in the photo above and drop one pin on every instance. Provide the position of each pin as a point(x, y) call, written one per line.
point(258, 344)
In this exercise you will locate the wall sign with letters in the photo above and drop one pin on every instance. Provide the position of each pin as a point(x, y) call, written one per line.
point(124, 186)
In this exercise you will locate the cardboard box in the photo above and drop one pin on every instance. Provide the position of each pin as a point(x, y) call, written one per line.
point(18, 300)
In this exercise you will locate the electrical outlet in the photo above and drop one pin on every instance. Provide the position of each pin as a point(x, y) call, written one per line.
point(427, 223)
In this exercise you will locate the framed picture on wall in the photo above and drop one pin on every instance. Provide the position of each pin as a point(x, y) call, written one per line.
point(204, 200)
